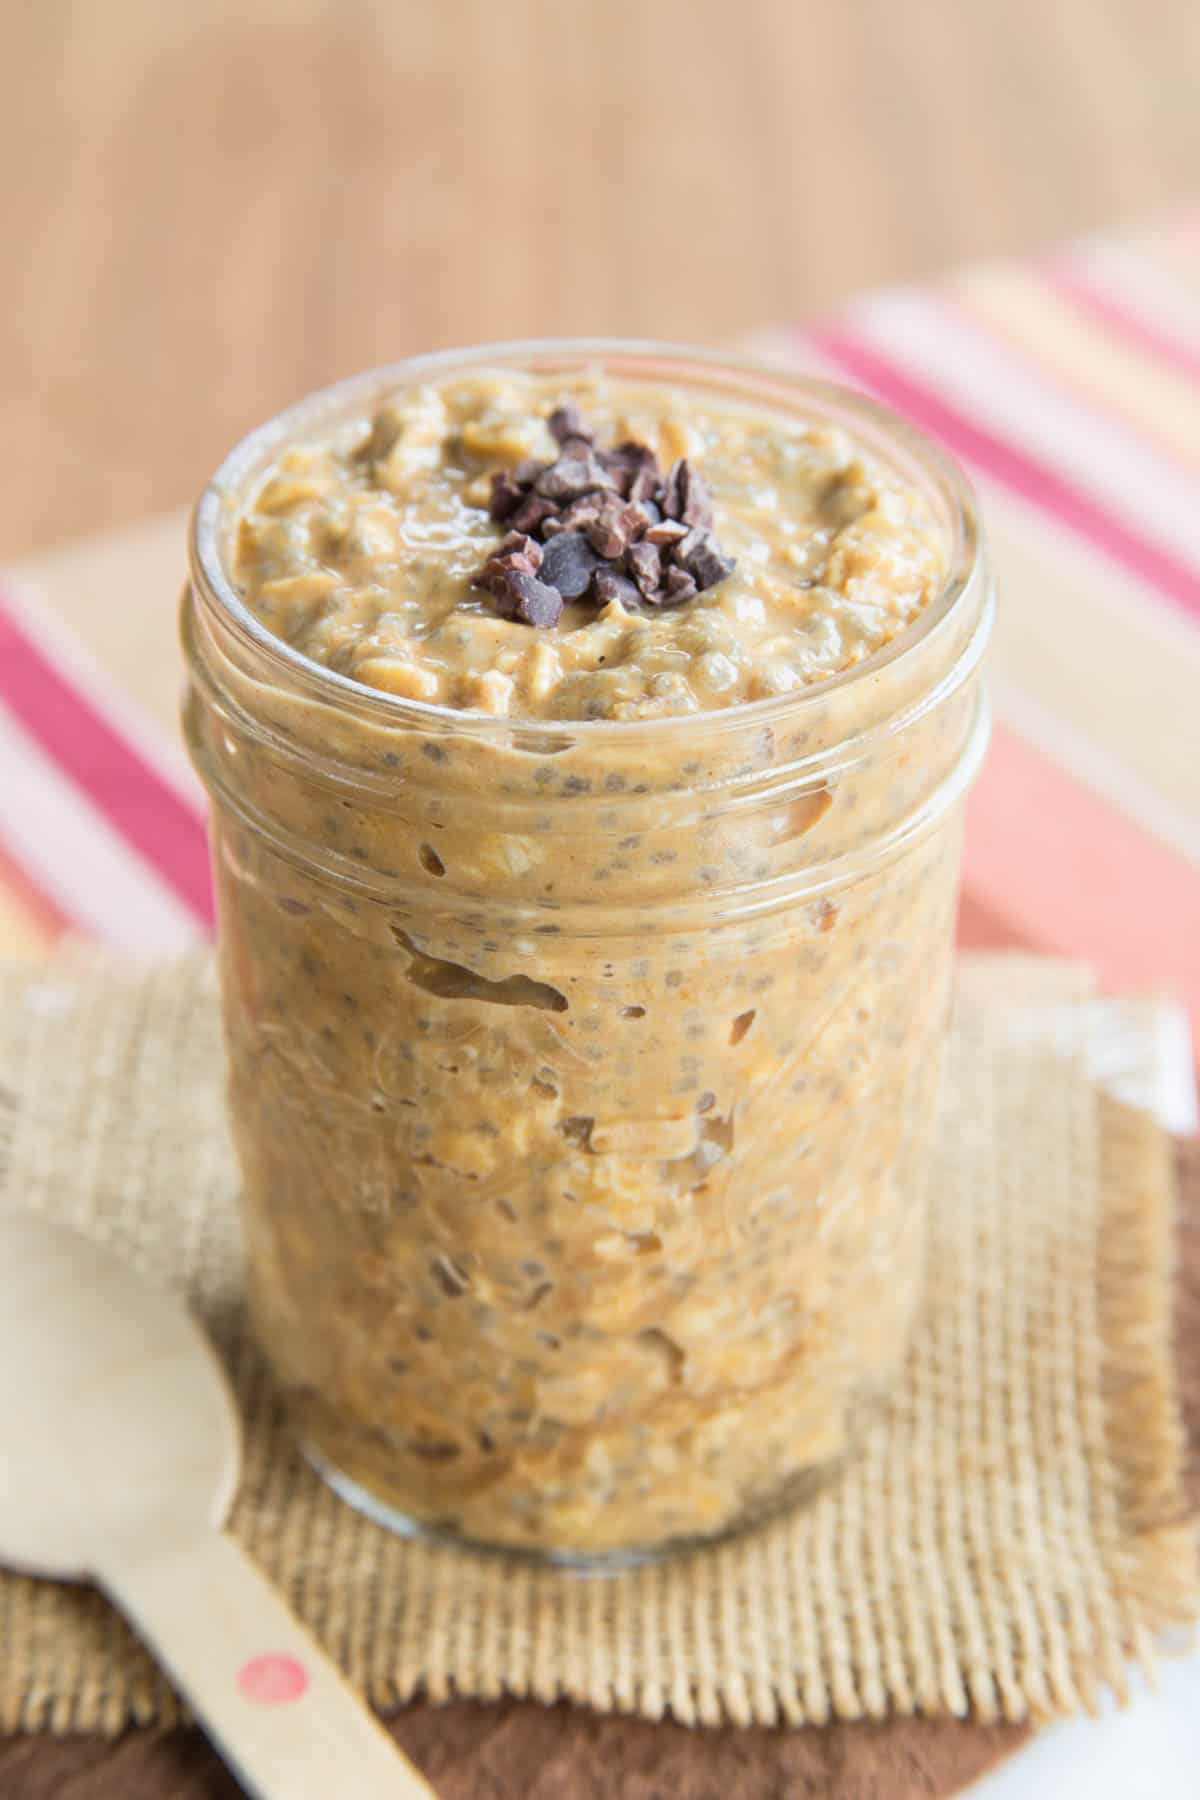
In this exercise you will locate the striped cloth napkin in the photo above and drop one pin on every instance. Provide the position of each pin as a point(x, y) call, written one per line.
point(1069, 386)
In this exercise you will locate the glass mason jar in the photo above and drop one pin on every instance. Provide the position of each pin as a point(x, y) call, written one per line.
point(583, 1076)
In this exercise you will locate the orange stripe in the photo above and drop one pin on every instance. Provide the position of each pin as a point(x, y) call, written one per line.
point(1075, 878)
point(982, 927)
point(36, 908)
point(1031, 319)
point(20, 940)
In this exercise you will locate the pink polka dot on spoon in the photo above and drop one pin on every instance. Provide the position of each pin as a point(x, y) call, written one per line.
point(272, 1680)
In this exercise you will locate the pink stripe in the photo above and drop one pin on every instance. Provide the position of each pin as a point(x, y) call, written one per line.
point(148, 813)
point(1073, 876)
point(984, 927)
point(1119, 318)
point(1024, 475)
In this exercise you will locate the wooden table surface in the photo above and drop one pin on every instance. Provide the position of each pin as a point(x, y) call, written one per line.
point(209, 207)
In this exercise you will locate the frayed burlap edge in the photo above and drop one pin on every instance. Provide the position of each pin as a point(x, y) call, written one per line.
point(1157, 1565)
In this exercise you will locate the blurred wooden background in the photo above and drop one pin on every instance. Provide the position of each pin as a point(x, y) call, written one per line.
point(210, 205)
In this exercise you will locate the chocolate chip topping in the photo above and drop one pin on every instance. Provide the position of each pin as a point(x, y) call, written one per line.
point(530, 600)
point(577, 515)
point(686, 495)
point(507, 495)
point(516, 543)
point(608, 585)
point(517, 555)
point(532, 514)
point(698, 556)
point(616, 526)
point(566, 422)
point(568, 563)
point(603, 523)
point(680, 587)
point(645, 565)
point(634, 470)
point(576, 472)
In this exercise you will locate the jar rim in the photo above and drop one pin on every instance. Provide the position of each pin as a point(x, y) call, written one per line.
point(742, 375)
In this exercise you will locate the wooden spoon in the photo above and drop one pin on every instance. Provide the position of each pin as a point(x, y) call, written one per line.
point(119, 1457)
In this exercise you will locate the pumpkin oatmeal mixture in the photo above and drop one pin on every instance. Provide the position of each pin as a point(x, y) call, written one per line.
point(364, 552)
point(587, 885)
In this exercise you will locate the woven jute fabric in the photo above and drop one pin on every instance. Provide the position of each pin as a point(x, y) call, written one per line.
point(1012, 1536)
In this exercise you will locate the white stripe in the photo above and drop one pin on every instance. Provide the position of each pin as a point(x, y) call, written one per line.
point(120, 711)
point(1123, 602)
point(1089, 647)
point(1140, 286)
point(73, 854)
point(1095, 767)
point(999, 391)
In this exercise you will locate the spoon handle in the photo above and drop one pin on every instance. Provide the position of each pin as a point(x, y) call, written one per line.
point(279, 1712)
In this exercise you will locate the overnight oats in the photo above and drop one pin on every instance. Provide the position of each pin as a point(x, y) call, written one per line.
point(587, 728)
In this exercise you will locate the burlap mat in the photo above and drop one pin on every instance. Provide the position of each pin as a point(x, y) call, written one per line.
point(1013, 1534)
